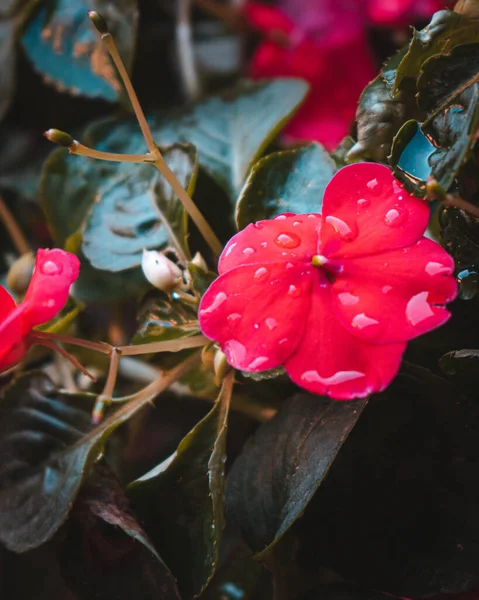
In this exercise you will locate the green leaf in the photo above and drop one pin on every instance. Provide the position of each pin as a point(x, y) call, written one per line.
point(398, 510)
point(446, 30)
point(102, 532)
point(448, 96)
point(137, 209)
point(162, 318)
point(66, 49)
point(200, 278)
point(284, 464)
point(461, 366)
point(289, 181)
point(181, 501)
point(51, 446)
point(460, 236)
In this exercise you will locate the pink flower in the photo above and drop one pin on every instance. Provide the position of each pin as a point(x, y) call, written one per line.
point(47, 293)
point(332, 297)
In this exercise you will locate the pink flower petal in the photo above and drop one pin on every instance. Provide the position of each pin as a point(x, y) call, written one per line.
point(257, 313)
point(330, 361)
point(285, 238)
point(394, 296)
point(366, 210)
point(55, 271)
point(10, 325)
point(267, 18)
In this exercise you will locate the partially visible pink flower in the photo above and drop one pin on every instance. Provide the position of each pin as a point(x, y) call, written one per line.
point(332, 297)
point(401, 12)
point(47, 293)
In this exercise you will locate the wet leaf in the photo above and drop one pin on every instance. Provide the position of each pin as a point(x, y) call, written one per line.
point(398, 510)
point(162, 318)
point(460, 237)
point(446, 30)
point(288, 181)
point(461, 366)
point(66, 49)
point(284, 464)
point(137, 209)
point(105, 553)
point(180, 502)
point(51, 446)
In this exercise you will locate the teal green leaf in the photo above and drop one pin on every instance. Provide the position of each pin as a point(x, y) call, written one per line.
point(137, 209)
point(65, 48)
point(289, 181)
point(180, 502)
point(49, 447)
point(200, 279)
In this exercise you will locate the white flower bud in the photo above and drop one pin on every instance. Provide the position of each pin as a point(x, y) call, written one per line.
point(160, 271)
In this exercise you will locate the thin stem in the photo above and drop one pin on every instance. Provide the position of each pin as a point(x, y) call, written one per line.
point(102, 347)
point(140, 115)
point(82, 150)
point(64, 373)
point(13, 229)
point(458, 202)
point(184, 48)
point(112, 375)
point(169, 346)
point(57, 348)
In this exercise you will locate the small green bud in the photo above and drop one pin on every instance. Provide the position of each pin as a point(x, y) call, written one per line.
point(434, 191)
point(98, 21)
point(59, 137)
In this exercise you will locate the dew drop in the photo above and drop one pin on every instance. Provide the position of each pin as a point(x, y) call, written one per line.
point(363, 203)
point(49, 303)
point(296, 223)
point(288, 240)
point(280, 218)
point(361, 321)
point(217, 302)
point(235, 352)
point(271, 323)
point(344, 230)
point(347, 299)
point(386, 289)
point(261, 274)
point(294, 291)
point(263, 244)
point(374, 187)
point(283, 341)
point(233, 317)
point(257, 362)
point(248, 251)
point(51, 268)
point(418, 309)
point(435, 268)
point(289, 265)
point(336, 379)
point(396, 216)
point(255, 326)
point(230, 248)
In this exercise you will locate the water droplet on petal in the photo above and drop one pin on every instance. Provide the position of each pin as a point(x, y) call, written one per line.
point(363, 203)
point(296, 223)
point(255, 326)
point(345, 231)
point(235, 352)
point(271, 323)
point(49, 303)
point(217, 302)
point(283, 341)
point(51, 268)
point(248, 251)
point(263, 244)
point(288, 240)
point(280, 218)
point(374, 187)
point(294, 291)
point(361, 321)
point(230, 248)
point(336, 379)
point(396, 216)
point(261, 274)
point(257, 362)
point(418, 309)
point(347, 299)
point(233, 317)
point(386, 289)
point(397, 187)
point(435, 268)
point(289, 265)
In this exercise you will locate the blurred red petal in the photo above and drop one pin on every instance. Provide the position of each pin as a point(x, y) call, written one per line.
point(287, 237)
point(366, 210)
point(257, 313)
point(330, 361)
point(397, 295)
point(267, 18)
point(10, 325)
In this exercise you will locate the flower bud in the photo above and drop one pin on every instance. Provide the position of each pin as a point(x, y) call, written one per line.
point(20, 274)
point(59, 137)
point(199, 262)
point(160, 271)
point(98, 21)
point(221, 367)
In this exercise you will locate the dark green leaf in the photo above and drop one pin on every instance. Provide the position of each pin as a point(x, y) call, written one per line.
point(67, 50)
point(288, 181)
point(180, 502)
point(460, 237)
point(200, 278)
point(462, 366)
point(137, 209)
point(50, 444)
point(105, 553)
point(446, 30)
point(161, 318)
point(284, 464)
point(7, 60)
point(398, 510)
